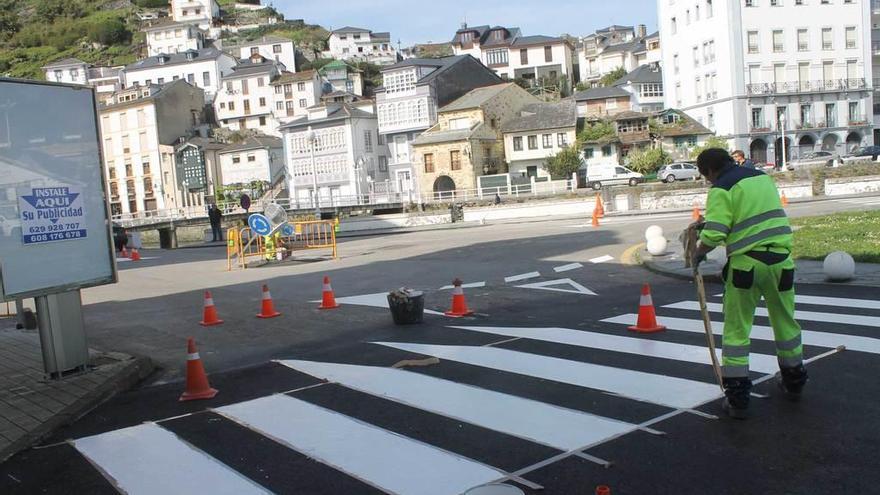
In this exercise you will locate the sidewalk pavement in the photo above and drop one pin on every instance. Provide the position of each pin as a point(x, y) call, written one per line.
point(31, 406)
point(808, 271)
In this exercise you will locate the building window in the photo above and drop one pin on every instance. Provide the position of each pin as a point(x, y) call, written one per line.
point(302, 103)
point(711, 119)
point(675, 63)
point(279, 90)
point(775, 3)
point(222, 104)
point(533, 142)
point(778, 41)
point(708, 9)
point(588, 153)
point(850, 37)
point(548, 54)
point(455, 160)
point(606, 150)
point(301, 86)
point(236, 159)
point(244, 87)
point(827, 39)
point(803, 40)
point(830, 115)
point(231, 106)
point(562, 139)
point(255, 51)
point(517, 143)
point(523, 56)
point(752, 37)
point(429, 163)
point(383, 163)
point(247, 106)
point(673, 26)
point(251, 158)
point(260, 82)
point(853, 112)
point(697, 13)
point(696, 52)
point(128, 170)
point(368, 141)
point(279, 105)
point(206, 79)
point(750, 3)
point(262, 102)
point(497, 57)
point(262, 121)
point(651, 90)
point(229, 87)
point(547, 141)
point(276, 48)
point(687, 17)
point(758, 118)
point(112, 172)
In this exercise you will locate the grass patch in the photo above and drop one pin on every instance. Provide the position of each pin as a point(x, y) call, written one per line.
point(857, 233)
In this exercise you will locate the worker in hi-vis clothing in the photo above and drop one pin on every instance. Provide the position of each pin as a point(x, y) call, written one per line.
point(744, 213)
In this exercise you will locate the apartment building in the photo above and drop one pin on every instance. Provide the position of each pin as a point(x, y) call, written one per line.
point(201, 68)
point(135, 124)
point(615, 47)
point(275, 48)
point(407, 104)
point(295, 93)
point(645, 86)
point(511, 55)
point(753, 70)
point(466, 142)
point(246, 99)
point(344, 156)
point(202, 13)
point(164, 36)
point(256, 159)
point(358, 44)
point(536, 133)
point(340, 76)
point(105, 80)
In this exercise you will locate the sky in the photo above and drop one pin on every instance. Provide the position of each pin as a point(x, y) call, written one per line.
point(420, 21)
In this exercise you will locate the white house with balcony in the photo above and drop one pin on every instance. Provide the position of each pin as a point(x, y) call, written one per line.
point(740, 72)
point(172, 37)
point(256, 159)
point(105, 80)
point(337, 147)
point(246, 98)
point(295, 93)
point(339, 76)
point(274, 48)
point(203, 68)
point(408, 100)
point(616, 47)
point(514, 56)
point(645, 85)
point(358, 44)
point(202, 13)
point(539, 132)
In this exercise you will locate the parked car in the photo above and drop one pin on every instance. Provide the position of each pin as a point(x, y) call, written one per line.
point(609, 175)
point(813, 159)
point(860, 154)
point(678, 171)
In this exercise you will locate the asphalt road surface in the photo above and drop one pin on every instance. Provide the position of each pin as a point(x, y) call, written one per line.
point(543, 388)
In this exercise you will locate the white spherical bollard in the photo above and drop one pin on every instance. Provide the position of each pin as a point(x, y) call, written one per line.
point(657, 246)
point(839, 267)
point(653, 231)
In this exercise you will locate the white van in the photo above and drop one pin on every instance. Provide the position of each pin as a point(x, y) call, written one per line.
point(609, 175)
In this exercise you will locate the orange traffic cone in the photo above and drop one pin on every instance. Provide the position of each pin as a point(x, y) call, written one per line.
point(459, 306)
point(647, 317)
point(783, 199)
point(268, 308)
point(135, 255)
point(328, 300)
point(595, 222)
point(209, 317)
point(603, 490)
point(600, 207)
point(695, 215)
point(197, 386)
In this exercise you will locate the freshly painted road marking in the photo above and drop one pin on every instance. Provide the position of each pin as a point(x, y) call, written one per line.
point(869, 321)
point(377, 300)
point(472, 285)
point(654, 348)
point(602, 259)
point(143, 258)
point(842, 302)
point(565, 268)
point(521, 276)
point(761, 332)
point(148, 459)
point(384, 459)
point(546, 424)
point(576, 288)
point(658, 389)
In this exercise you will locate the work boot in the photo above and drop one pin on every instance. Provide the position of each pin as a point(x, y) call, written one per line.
point(736, 397)
point(791, 381)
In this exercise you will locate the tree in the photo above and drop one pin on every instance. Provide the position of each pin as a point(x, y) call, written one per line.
point(109, 32)
point(597, 132)
point(564, 163)
point(647, 161)
point(49, 10)
point(712, 142)
point(582, 86)
point(9, 23)
point(611, 77)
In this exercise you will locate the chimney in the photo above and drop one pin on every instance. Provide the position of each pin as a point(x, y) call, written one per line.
point(641, 31)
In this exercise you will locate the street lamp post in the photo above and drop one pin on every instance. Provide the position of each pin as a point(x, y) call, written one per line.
point(310, 137)
point(358, 166)
point(782, 141)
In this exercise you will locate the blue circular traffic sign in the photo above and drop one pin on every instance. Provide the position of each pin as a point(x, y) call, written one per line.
point(259, 224)
point(287, 230)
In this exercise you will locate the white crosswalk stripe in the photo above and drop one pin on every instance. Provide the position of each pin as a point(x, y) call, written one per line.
point(868, 321)
point(842, 302)
point(376, 456)
point(148, 459)
point(658, 389)
point(546, 424)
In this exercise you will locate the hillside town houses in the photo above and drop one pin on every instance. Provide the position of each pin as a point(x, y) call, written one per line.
point(432, 123)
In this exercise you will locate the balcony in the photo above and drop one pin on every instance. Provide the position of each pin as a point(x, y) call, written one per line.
point(791, 87)
point(761, 127)
point(856, 120)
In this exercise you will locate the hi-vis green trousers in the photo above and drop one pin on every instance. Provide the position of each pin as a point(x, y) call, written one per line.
point(749, 276)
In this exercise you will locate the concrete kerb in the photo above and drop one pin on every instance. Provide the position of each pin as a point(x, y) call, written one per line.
point(133, 370)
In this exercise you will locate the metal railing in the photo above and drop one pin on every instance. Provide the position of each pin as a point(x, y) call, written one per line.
point(805, 86)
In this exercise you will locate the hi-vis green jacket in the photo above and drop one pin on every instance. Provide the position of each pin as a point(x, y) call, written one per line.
point(743, 212)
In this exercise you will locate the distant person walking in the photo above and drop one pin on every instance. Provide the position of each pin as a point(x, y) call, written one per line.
point(216, 217)
point(740, 158)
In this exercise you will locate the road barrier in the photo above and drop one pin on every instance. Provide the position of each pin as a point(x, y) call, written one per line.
point(243, 244)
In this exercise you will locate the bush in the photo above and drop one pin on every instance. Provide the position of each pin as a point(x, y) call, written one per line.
point(565, 163)
point(647, 161)
point(49, 10)
point(601, 131)
point(712, 142)
point(611, 77)
point(109, 32)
